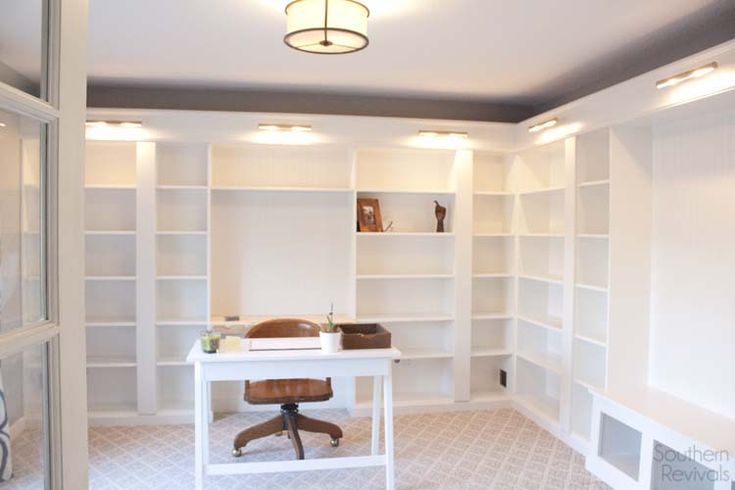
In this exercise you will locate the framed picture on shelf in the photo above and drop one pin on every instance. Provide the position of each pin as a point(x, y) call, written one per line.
point(368, 215)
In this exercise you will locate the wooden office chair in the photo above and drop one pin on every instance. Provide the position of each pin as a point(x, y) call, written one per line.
point(286, 392)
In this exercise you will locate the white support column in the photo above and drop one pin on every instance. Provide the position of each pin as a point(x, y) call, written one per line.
point(570, 227)
point(146, 279)
point(463, 230)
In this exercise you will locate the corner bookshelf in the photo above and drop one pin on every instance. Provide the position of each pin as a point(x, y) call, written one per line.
point(493, 276)
point(541, 266)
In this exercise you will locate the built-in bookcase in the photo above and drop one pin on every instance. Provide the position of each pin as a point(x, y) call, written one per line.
point(493, 275)
point(182, 278)
point(541, 264)
point(589, 346)
point(111, 277)
point(406, 277)
point(180, 235)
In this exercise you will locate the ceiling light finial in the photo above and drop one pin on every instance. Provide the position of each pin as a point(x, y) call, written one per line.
point(327, 26)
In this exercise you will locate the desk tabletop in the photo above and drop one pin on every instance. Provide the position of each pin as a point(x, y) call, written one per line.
point(197, 355)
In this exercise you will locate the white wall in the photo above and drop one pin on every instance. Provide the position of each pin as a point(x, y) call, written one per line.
point(693, 272)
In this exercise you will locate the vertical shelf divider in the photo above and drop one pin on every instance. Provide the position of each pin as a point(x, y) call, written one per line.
point(463, 228)
point(570, 223)
point(146, 284)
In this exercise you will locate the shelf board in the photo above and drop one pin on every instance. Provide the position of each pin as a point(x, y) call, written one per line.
point(183, 322)
point(368, 277)
point(489, 315)
point(490, 352)
point(181, 278)
point(111, 362)
point(592, 287)
point(112, 411)
point(493, 275)
point(409, 354)
point(431, 234)
point(109, 187)
point(542, 191)
point(591, 340)
point(493, 235)
point(542, 278)
point(544, 407)
point(405, 319)
point(326, 190)
point(595, 236)
point(182, 233)
point(110, 278)
point(548, 362)
point(182, 187)
point(173, 362)
point(586, 384)
point(407, 191)
point(594, 183)
point(541, 235)
point(109, 324)
point(109, 232)
point(553, 324)
point(249, 320)
point(493, 193)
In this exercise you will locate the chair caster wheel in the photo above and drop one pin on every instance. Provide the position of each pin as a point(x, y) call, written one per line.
point(334, 442)
point(237, 452)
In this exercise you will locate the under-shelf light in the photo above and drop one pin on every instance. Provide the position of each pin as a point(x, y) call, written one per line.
point(2, 124)
point(535, 128)
point(428, 133)
point(687, 75)
point(294, 128)
point(119, 124)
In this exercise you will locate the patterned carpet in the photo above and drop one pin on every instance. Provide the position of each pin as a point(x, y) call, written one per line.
point(463, 450)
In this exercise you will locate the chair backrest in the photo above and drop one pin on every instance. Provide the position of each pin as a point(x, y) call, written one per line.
point(284, 327)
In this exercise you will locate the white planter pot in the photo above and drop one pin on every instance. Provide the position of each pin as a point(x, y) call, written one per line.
point(330, 342)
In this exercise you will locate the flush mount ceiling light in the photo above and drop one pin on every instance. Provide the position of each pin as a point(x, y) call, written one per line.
point(294, 128)
point(543, 125)
point(327, 26)
point(119, 124)
point(430, 133)
point(687, 75)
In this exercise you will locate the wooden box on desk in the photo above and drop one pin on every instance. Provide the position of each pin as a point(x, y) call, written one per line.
point(364, 336)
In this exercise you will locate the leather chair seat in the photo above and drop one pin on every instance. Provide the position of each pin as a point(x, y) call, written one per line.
point(281, 391)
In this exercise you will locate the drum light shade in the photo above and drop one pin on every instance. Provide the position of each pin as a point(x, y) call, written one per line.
point(327, 26)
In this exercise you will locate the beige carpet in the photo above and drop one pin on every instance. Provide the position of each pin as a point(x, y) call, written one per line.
point(464, 450)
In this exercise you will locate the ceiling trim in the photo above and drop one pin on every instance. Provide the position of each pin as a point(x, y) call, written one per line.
point(233, 100)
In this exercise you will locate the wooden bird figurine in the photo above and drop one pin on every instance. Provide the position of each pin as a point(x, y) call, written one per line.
point(440, 212)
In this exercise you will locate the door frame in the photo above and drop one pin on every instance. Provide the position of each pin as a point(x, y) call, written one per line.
point(64, 74)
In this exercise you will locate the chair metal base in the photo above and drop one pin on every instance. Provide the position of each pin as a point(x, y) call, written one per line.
point(290, 421)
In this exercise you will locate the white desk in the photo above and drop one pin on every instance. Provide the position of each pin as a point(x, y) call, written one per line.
point(284, 365)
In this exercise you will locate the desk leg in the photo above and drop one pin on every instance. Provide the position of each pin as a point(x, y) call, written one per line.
point(390, 475)
point(377, 385)
point(206, 415)
point(199, 440)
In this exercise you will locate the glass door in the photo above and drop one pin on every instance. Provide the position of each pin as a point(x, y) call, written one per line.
point(41, 298)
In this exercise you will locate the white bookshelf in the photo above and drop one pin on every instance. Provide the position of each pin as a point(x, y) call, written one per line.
point(198, 231)
point(591, 278)
point(406, 278)
point(110, 270)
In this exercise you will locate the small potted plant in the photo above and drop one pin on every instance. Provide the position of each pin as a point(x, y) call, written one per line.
point(330, 337)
